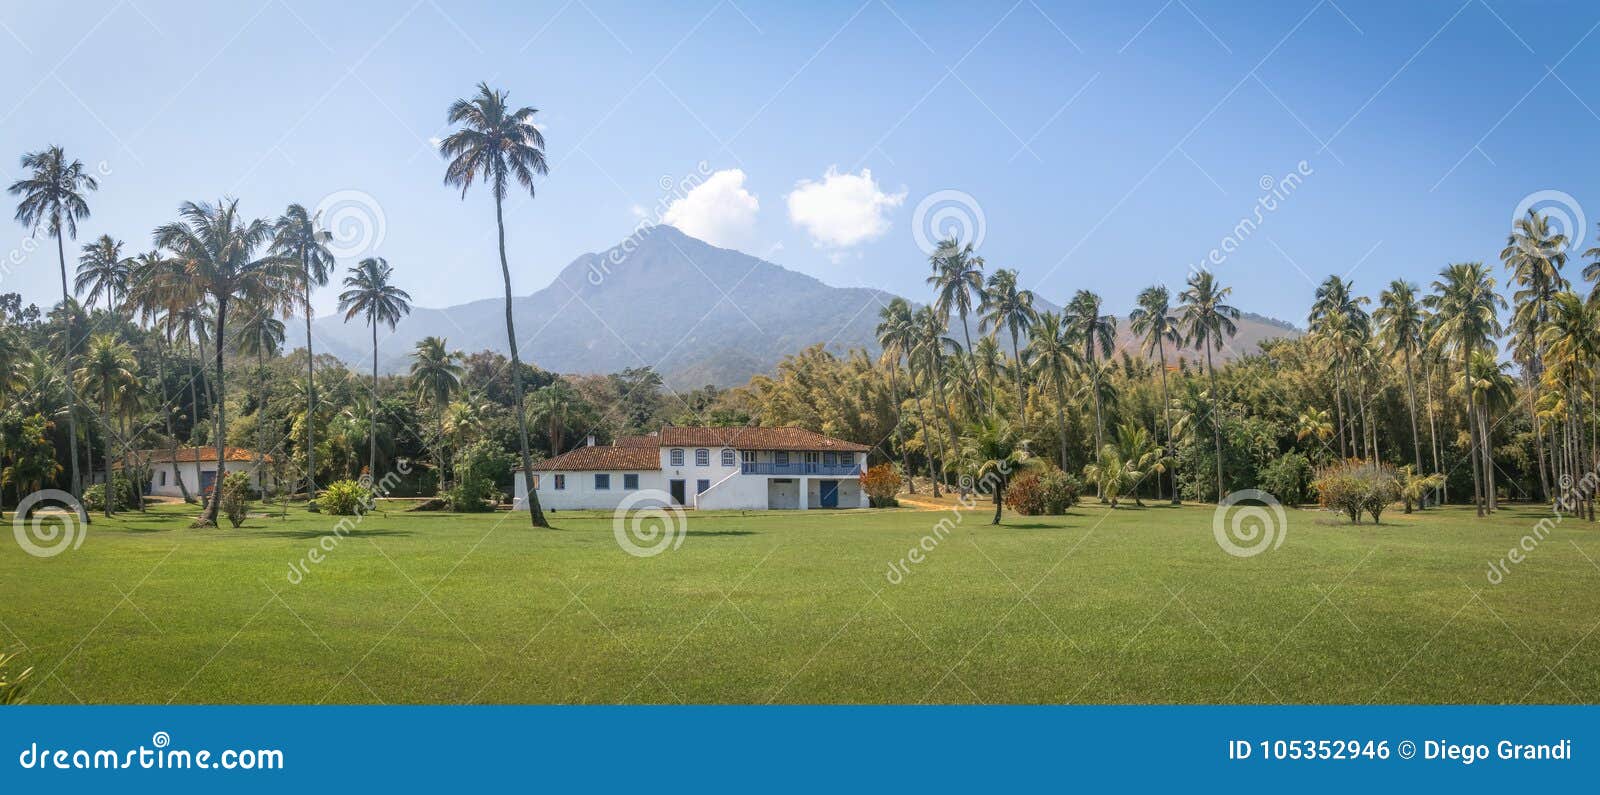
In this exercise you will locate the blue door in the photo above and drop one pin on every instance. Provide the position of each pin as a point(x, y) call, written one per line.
point(830, 493)
point(207, 480)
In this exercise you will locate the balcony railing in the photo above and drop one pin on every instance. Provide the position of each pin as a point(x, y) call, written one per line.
point(801, 468)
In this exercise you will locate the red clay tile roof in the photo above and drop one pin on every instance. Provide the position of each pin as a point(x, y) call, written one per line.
point(187, 455)
point(603, 458)
point(756, 439)
point(651, 441)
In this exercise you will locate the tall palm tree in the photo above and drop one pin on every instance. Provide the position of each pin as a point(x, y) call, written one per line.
point(1153, 322)
point(218, 250)
point(436, 376)
point(898, 338)
point(53, 196)
point(1208, 321)
point(155, 290)
point(368, 292)
point(1006, 306)
point(260, 335)
point(497, 144)
point(108, 375)
point(1535, 255)
point(1053, 354)
point(103, 271)
point(298, 235)
point(1466, 318)
point(1340, 326)
point(1096, 333)
point(958, 283)
point(1400, 318)
point(1571, 342)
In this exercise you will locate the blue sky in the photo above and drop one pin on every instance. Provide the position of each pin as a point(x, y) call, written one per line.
point(1107, 149)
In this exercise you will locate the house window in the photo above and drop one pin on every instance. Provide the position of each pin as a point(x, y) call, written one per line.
point(163, 477)
point(561, 482)
point(830, 459)
point(727, 457)
point(602, 481)
point(702, 457)
point(535, 482)
point(630, 482)
point(749, 456)
point(780, 458)
point(700, 486)
point(676, 457)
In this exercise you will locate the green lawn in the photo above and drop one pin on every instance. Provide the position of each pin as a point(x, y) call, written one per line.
point(1132, 605)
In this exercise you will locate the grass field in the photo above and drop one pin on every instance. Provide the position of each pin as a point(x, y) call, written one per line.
point(1132, 605)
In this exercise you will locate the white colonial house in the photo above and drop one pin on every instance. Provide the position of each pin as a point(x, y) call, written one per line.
point(199, 467)
point(708, 469)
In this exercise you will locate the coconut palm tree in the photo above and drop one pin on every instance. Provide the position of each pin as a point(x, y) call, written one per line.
point(53, 196)
point(103, 271)
point(1571, 343)
point(897, 337)
point(368, 292)
point(436, 377)
point(109, 376)
point(1535, 255)
point(1494, 390)
point(1466, 318)
point(1155, 325)
point(153, 293)
point(1400, 318)
point(1054, 356)
point(1208, 322)
point(958, 283)
point(218, 250)
point(497, 144)
point(1314, 423)
point(1006, 306)
point(1340, 325)
point(299, 236)
point(1096, 333)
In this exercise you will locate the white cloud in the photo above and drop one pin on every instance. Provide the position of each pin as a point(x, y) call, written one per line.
point(842, 210)
point(719, 211)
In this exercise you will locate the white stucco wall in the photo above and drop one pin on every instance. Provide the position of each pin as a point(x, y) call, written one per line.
point(191, 476)
point(580, 493)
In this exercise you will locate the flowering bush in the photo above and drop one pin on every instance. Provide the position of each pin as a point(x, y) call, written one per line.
point(881, 483)
point(1047, 493)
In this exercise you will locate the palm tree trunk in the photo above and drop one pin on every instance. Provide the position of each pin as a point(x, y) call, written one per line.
point(1487, 446)
point(949, 419)
point(1216, 420)
point(311, 396)
point(1166, 418)
point(1531, 380)
point(372, 420)
point(1411, 403)
point(105, 418)
point(261, 424)
point(1338, 407)
point(1472, 431)
point(166, 408)
point(999, 498)
point(927, 431)
point(535, 514)
point(899, 431)
point(1022, 389)
point(66, 364)
point(1061, 429)
point(972, 362)
point(208, 518)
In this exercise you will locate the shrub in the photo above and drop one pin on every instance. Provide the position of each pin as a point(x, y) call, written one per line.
point(1356, 486)
point(477, 469)
point(344, 498)
point(1046, 493)
point(881, 483)
point(235, 497)
point(1288, 477)
point(125, 497)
